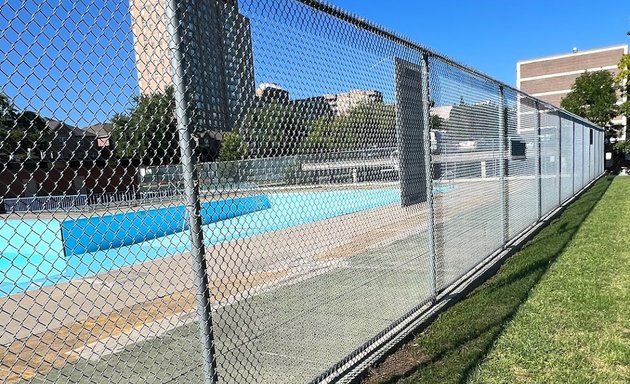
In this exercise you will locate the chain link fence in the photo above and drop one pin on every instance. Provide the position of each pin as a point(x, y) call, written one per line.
point(248, 191)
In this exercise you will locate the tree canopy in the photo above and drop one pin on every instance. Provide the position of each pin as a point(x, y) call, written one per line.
point(471, 121)
point(363, 127)
point(623, 82)
point(231, 147)
point(594, 97)
point(20, 132)
point(274, 129)
point(149, 130)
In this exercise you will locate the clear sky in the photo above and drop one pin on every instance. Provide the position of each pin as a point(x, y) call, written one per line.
point(492, 35)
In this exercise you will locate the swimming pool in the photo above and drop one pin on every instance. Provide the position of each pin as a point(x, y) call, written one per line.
point(42, 261)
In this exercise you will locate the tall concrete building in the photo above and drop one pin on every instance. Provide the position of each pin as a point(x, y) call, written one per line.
point(342, 103)
point(218, 44)
point(337, 104)
point(550, 78)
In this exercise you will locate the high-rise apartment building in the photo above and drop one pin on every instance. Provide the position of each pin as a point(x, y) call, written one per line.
point(550, 78)
point(219, 49)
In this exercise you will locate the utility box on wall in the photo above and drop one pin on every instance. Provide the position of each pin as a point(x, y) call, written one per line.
point(409, 127)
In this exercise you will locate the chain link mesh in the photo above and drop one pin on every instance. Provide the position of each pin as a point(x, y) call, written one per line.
point(247, 191)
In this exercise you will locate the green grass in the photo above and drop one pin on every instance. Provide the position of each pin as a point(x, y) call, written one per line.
point(573, 279)
point(575, 326)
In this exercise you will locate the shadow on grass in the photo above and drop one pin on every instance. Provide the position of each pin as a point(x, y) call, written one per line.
point(452, 346)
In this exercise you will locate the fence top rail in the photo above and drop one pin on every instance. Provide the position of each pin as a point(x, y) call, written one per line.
point(372, 27)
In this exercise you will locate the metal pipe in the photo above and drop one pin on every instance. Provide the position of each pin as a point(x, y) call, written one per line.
point(191, 185)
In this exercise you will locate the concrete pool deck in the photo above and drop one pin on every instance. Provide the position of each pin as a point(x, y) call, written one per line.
point(70, 315)
point(289, 286)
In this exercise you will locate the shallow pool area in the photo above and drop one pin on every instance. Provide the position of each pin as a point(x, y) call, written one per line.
point(34, 253)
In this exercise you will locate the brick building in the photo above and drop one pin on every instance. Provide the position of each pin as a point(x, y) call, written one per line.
point(550, 78)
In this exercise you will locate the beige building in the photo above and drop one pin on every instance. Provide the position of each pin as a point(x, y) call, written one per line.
point(551, 78)
point(150, 42)
point(342, 103)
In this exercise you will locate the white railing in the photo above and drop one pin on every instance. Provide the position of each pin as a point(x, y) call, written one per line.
point(86, 202)
point(46, 203)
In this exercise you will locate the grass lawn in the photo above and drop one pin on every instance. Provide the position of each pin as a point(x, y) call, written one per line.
point(557, 311)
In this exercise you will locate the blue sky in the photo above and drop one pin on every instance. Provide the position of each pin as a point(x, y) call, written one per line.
point(492, 35)
point(74, 61)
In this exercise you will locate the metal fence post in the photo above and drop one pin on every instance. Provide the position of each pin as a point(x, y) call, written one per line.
point(574, 146)
point(191, 185)
point(559, 158)
point(539, 168)
point(590, 151)
point(428, 165)
point(503, 166)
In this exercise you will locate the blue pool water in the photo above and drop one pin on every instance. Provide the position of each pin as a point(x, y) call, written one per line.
point(41, 259)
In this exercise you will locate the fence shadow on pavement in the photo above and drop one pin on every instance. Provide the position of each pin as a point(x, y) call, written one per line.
point(452, 346)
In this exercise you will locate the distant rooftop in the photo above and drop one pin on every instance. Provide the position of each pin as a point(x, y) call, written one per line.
point(576, 51)
point(100, 130)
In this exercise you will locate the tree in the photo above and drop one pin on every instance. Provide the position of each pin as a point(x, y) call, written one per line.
point(365, 126)
point(622, 79)
point(8, 115)
point(594, 97)
point(622, 146)
point(274, 129)
point(231, 147)
point(624, 72)
point(436, 123)
point(149, 130)
point(20, 132)
point(472, 121)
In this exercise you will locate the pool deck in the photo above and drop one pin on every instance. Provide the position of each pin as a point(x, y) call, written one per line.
point(289, 272)
point(61, 319)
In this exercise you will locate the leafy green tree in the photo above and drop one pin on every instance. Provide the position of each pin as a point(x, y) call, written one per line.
point(8, 115)
point(471, 121)
point(231, 147)
point(436, 123)
point(363, 127)
point(594, 97)
point(320, 137)
point(273, 129)
point(622, 146)
point(20, 132)
point(149, 130)
point(622, 79)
